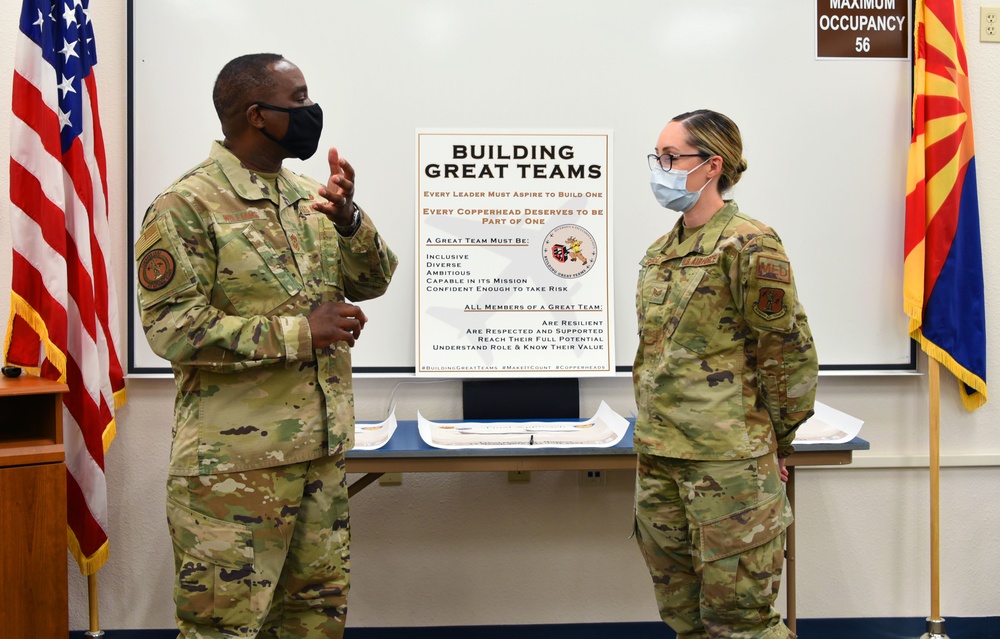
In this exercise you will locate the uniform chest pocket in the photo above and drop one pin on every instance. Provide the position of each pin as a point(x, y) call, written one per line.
point(700, 308)
point(665, 304)
point(253, 273)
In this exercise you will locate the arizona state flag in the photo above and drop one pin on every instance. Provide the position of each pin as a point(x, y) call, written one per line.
point(943, 267)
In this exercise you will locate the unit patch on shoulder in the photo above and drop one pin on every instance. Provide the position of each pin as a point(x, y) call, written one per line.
point(156, 269)
point(774, 269)
point(771, 303)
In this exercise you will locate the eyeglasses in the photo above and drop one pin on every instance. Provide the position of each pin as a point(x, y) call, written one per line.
point(666, 161)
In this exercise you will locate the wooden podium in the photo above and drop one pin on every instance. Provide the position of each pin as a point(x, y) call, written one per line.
point(33, 577)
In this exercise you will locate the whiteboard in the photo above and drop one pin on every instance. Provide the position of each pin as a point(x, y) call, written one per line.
point(825, 140)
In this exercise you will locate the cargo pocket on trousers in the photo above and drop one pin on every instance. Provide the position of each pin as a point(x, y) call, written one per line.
point(743, 554)
point(745, 529)
point(215, 568)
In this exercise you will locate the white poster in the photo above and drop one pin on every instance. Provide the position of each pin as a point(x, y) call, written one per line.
point(513, 256)
point(604, 430)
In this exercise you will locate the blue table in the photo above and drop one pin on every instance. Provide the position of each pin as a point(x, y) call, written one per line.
point(406, 452)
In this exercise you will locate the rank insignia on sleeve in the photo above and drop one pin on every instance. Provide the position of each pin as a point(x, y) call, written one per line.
point(771, 303)
point(769, 268)
point(156, 269)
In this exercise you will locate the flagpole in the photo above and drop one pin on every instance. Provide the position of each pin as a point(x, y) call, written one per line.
point(943, 292)
point(935, 462)
point(935, 624)
point(95, 622)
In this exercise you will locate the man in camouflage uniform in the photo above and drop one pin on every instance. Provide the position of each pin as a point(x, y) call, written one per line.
point(724, 374)
point(244, 268)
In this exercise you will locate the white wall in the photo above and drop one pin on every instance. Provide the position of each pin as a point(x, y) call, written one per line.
point(455, 549)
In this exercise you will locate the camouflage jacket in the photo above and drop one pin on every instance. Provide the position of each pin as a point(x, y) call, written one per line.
point(726, 366)
point(228, 272)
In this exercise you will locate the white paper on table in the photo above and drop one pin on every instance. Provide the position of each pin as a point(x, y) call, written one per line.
point(605, 429)
point(372, 436)
point(828, 426)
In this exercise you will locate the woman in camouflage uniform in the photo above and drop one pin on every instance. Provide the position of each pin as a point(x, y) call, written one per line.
point(725, 372)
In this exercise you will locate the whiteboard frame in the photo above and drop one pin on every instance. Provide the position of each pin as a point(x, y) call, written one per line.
point(771, 135)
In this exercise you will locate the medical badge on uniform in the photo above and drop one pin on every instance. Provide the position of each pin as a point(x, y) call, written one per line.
point(774, 269)
point(156, 269)
point(771, 303)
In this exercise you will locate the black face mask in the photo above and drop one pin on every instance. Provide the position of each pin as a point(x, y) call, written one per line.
point(304, 127)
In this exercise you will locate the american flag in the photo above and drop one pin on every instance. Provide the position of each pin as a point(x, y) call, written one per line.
point(64, 311)
point(943, 267)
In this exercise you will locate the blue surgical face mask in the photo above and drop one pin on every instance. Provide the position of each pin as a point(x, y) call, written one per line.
point(670, 188)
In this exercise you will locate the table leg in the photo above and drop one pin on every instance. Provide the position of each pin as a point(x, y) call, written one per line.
point(790, 553)
point(366, 480)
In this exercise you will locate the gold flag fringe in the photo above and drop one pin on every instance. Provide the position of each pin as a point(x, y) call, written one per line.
point(88, 565)
point(965, 378)
point(20, 308)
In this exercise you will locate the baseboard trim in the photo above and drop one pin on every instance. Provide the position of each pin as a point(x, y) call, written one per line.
point(856, 628)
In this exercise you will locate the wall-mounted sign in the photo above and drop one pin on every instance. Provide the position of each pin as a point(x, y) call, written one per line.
point(863, 29)
point(514, 254)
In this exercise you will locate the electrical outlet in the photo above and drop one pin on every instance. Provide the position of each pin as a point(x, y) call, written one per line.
point(390, 479)
point(989, 24)
point(593, 478)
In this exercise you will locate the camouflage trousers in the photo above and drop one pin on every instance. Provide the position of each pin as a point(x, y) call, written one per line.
point(713, 534)
point(262, 553)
